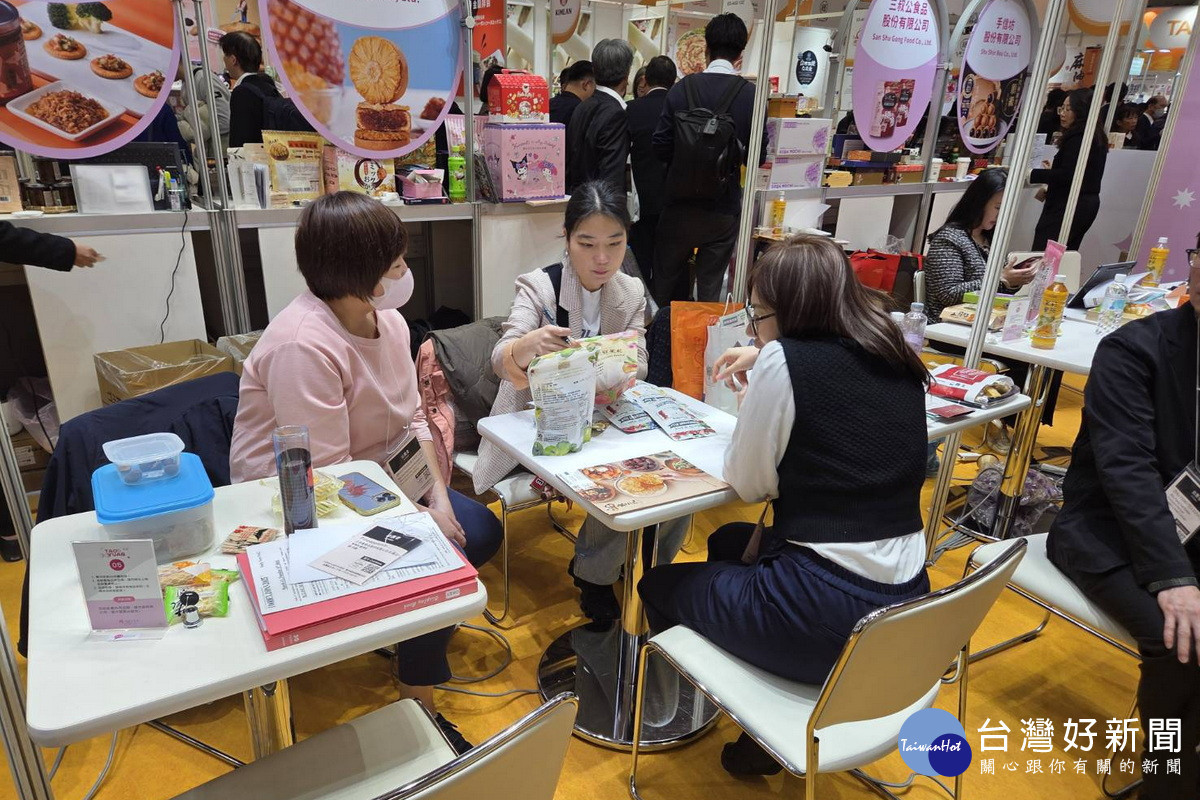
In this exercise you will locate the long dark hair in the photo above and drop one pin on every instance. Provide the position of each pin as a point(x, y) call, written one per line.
point(968, 211)
point(595, 197)
point(1080, 102)
point(809, 283)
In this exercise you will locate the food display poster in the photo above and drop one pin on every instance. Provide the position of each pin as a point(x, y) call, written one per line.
point(894, 70)
point(993, 73)
point(376, 92)
point(641, 482)
point(83, 79)
point(488, 36)
point(685, 43)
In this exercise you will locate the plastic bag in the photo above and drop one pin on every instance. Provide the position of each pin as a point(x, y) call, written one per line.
point(729, 331)
point(31, 402)
point(689, 335)
point(1039, 493)
point(563, 386)
point(615, 359)
point(970, 385)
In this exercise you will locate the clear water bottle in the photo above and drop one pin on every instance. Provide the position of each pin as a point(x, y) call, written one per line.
point(1112, 308)
point(913, 327)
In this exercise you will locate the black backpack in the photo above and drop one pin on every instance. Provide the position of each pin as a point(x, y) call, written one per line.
point(708, 153)
point(280, 113)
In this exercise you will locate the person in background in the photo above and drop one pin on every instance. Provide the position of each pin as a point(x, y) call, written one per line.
point(243, 59)
point(485, 83)
point(1108, 93)
point(847, 125)
point(1057, 175)
point(1125, 121)
point(598, 135)
point(597, 299)
point(1049, 122)
point(845, 479)
point(337, 360)
point(202, 80)
point(649, 173)
point(1148, 133)
point(709, 226)
point(640, 87)
point(578, 83)
point(1116, 538)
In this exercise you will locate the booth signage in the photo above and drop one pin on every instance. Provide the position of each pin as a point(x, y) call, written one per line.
point(894, 70)
point(120, 585)
point(374, 92)
point(564, 19)
point(1095, 16)
point(1172, 28)
point(806, 68)
point(80, 86)
point(488, 36)
point(993, 74)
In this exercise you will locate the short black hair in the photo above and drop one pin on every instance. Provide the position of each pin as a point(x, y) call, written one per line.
point(486, 80)
point(562, 76)
point(725, 36)
point(968, 211)
point(579, 71)
point(595, 197)
point(660, 71)
point(345, 243)
point(244, 48)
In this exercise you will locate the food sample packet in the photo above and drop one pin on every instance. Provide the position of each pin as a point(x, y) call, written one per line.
point(676, 421)
point(563, 386)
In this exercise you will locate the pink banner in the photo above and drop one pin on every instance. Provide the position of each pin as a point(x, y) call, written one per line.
point(993, 74)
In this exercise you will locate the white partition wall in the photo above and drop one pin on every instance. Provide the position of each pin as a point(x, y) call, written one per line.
point(511, 243)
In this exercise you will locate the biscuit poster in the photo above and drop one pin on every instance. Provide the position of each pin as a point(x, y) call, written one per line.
point(374, 92)
point(994, 69)
point(82, 79)
point(894, 70)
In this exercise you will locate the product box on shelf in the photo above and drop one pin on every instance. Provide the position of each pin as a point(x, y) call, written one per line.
point(526, 161)
point(869, 176)
point(516, 96)
point(800, 172)
point(909, 173)
point(344, 171)
point(781, 106)
point(30, 455)
point(136, 371)
point(798, 137)
point(10, 184)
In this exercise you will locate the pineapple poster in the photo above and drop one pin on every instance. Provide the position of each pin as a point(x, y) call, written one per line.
point(82, 79)
point(375, 77)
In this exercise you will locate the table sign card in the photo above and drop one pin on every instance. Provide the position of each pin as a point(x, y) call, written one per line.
point(1015, 321)
point(121, 589)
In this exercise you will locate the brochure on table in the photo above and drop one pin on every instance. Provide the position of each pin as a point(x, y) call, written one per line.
point(641, 482)
point(120, 587)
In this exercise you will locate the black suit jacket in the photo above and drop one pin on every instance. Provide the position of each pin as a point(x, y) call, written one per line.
point(597, 142)
point(1062, 170)
point(1145, 137)
point(246, 109)
point(25, 246)
point(649, 172)
point(1138, 433)
point(562, 106)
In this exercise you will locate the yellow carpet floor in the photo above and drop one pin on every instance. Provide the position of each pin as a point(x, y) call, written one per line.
point(1064, 674)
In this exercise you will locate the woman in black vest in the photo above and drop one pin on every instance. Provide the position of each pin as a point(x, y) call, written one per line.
point(832, 429)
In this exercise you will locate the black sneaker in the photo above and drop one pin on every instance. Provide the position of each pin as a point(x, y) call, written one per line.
point(10, 548)
point(596, 601)
point(746, 757)
point(456, 739)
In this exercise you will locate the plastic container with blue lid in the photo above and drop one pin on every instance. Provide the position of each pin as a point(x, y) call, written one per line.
point(175, 512)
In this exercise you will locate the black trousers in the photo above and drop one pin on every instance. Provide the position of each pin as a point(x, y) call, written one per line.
point(1050, 223)
point(1167, 690)
point(641, 241)
point(682, 229)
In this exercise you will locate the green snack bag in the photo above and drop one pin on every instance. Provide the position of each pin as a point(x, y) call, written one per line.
point(563, 386)
point(213, 600)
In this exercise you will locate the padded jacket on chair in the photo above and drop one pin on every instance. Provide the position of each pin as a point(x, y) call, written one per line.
point(200, 412)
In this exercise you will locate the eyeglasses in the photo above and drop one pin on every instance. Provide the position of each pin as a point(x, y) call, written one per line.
point(1193, 256)
point(755, 319)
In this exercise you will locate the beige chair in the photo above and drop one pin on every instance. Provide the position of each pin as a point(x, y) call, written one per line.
point(399, 753)
point(1040, 582)
point(880, 679)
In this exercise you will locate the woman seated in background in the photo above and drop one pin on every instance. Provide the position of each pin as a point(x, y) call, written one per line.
point(832, 427)
point(337, 360)
point(588, 292)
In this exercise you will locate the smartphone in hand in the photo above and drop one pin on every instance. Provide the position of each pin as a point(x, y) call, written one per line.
point(365, 496)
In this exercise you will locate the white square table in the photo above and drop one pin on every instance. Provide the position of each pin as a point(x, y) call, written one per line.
point(79, 688)
point(598, 661)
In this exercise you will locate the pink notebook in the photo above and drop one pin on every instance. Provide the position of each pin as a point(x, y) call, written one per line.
point(284, 628)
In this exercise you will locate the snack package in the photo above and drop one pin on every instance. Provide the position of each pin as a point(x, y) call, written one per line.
point(343, 171)
point(294, 160)
point(213, 602)
point(245, 535)
point(676, 421)
point(615, 357)
point(184, 573)
point(563, 386)
point(627, 416)
point(970, 385)
point(325, 489)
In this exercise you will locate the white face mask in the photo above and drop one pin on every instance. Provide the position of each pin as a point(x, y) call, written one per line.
point(396, 292)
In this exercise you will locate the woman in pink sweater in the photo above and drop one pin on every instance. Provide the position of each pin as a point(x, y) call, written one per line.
point(337, 360)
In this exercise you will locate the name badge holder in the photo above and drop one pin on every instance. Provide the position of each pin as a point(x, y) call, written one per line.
point(409, 468)
point(1183, 493)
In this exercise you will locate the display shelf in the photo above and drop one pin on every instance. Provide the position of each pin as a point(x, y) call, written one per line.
point(75, 224)
point(886, 190)
point(290, 217)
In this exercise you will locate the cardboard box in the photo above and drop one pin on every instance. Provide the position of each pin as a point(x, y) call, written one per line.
point(784, 107)
point(517, 96)
point(526, 161)
point(32, 480)
point(801, 172)
point(343, 171)
point(30, 455)
point(798, 137)
point(238, 347)
point(136, 371)
point(909, 173)
point(868, 176)
point(10, 186)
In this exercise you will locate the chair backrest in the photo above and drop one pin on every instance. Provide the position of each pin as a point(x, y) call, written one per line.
point(897, 654)
point(523, 761)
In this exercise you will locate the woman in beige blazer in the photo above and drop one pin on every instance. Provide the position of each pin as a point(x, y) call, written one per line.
point(594, 297)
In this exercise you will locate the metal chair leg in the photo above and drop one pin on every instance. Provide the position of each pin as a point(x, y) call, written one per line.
point(638, 708)
point(1112, 760)
point(1008, 644)
point(488, 615)
point(203, 747)
point(558, 526)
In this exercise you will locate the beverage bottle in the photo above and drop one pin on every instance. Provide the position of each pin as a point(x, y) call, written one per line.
point(456, 165)
point(293, 460)
point(913, 327)
point(1113, 306)
point(1157, 262)
point(778, 207)
point(1054, 302)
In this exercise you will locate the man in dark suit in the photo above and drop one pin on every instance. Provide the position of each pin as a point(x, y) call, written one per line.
point(243, 57)
point(709, 226)
point(649, 172)
point(1116, 537)
point(578, 83)
point(1148, 133)
point(598, 135)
